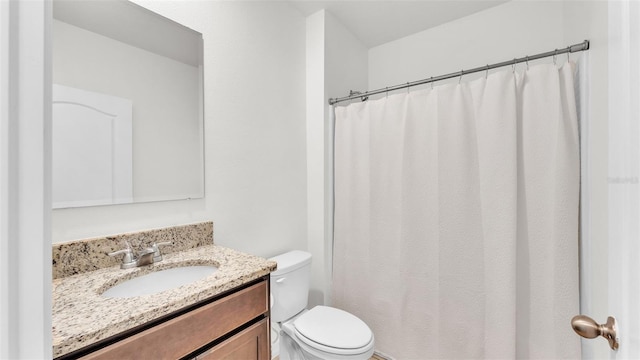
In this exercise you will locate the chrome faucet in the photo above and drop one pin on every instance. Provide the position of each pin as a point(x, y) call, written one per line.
point(143, 257)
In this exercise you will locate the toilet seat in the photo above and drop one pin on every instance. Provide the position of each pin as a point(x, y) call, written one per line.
point(333, 331)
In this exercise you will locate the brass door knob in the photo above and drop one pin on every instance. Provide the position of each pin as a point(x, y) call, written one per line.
point(588, 328)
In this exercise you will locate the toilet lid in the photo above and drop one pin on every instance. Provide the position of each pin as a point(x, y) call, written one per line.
point(333, 328)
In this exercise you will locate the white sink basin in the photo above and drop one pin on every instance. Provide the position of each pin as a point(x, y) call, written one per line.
point(159, 281)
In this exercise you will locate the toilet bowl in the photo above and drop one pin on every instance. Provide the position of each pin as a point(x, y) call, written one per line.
point(328, 333)
point(322, 332)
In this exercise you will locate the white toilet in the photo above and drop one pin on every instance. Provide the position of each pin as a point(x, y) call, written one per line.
point(320, 333)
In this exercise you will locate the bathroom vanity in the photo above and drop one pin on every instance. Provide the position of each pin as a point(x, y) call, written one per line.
point(221, 315)
point(234, 325)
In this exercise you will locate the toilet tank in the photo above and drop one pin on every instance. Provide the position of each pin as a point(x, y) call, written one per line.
point(290, 284)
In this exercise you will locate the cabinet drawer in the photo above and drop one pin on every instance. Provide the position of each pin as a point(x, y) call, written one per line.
point(182, 335)
point(253, 343)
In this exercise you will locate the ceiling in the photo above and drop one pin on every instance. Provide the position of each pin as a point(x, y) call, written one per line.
point(376, 22)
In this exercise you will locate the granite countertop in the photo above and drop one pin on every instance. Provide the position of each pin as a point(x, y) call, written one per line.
point(81, 316)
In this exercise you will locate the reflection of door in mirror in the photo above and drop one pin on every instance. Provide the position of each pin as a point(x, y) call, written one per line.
point(124, 50)
point(92, 148)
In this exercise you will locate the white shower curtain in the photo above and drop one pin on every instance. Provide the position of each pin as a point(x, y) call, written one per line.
point(456, 217)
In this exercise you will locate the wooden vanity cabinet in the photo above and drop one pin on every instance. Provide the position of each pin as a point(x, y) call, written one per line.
point(235, 326)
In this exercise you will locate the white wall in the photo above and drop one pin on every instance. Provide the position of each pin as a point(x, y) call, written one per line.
point(316, 189)
point(25, 180)
point(336, 62)
point(255, 158)
point(514, 29)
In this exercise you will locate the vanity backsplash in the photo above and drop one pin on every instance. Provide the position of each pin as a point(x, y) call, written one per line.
point(86, 255)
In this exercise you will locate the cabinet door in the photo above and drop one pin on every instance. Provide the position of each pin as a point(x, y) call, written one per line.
point(252, 343)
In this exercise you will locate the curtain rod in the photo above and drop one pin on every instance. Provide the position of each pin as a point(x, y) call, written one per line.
point(569, 49)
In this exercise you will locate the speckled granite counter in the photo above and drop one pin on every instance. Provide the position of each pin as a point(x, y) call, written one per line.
point(82, 317)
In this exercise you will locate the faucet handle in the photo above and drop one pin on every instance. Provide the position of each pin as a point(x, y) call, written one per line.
point(128, 256)
point(157, 255)
point(129, 259)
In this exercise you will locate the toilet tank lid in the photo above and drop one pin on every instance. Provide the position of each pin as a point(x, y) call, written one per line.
point(290, 261)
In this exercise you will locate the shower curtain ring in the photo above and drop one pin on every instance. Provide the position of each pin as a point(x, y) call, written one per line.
point(568, 53)
point(387, 92)
point(431, 83)
point(513, 66)
point(460, 78)
point(527, 61)
point(486, 74)
point(555, 56)
point(408, 87)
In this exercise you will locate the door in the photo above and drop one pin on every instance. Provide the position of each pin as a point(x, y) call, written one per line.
point(610, 264)
point(92, 148)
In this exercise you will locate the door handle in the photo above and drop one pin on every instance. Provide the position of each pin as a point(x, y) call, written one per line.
point(588, 328)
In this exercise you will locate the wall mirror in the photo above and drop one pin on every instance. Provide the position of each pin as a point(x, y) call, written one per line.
point(127, 105)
